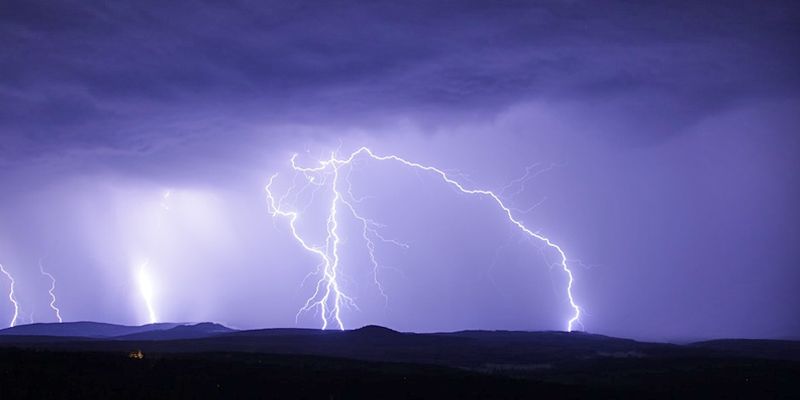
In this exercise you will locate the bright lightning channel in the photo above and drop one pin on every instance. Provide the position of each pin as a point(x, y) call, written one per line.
point(146, 289)
point(328, 297)
point(144, 279)
point(52, 291)
point(11, 296)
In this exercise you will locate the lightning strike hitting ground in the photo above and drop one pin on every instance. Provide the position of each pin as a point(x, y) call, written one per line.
point(52, 291)
point(144, 279)
point(328, 298)
point(11, 296)
point(146, 289)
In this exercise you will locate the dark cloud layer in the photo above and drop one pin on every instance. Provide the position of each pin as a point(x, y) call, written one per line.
point(88, 72)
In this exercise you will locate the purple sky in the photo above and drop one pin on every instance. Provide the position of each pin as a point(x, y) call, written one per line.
point(667, 136)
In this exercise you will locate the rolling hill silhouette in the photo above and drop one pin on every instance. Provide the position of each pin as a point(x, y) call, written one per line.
point(85, 329)
point(193, 331)
point(362, 362)
point(462, 349)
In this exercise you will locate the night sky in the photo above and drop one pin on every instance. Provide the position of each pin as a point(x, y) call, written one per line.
point(662, 142)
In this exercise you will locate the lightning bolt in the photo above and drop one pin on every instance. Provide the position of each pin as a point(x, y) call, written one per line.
point(143, 278)
point(328, 297)
point(52, 291)
point(11, 296)
point(146, 289)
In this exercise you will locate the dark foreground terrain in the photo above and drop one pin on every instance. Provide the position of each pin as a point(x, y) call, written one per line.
point(210, 361)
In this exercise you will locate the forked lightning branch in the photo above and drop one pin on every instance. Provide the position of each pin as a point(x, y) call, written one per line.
point(329, 298)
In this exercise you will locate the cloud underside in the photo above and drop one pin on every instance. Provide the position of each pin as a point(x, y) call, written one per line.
point(116, 76)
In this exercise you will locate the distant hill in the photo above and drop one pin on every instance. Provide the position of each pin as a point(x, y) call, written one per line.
point(201, 330)
point(98, 330)
point(82, 329)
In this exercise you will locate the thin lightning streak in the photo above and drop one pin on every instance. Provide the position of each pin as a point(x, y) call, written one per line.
point(330, 253)
point(520, 182)
point(531, 208)
point(368, 227)
point(11, 296)
point(51, 291)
